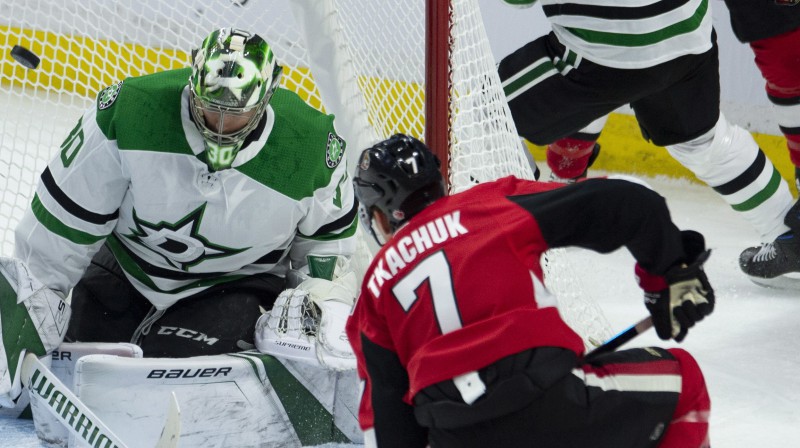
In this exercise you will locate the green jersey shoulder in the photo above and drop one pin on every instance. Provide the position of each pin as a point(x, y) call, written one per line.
point(301, 154)
point(144, 112)
point(303, 151)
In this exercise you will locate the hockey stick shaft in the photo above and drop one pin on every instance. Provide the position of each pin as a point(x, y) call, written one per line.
point(621, 338)
point(171, 433)
point(65, 405)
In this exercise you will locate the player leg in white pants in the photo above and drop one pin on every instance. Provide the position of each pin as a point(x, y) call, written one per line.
point(729, 160)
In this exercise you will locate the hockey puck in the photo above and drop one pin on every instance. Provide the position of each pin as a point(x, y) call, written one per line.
point(25, 57)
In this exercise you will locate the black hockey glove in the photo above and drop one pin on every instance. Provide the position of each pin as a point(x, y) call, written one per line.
point(683, 295)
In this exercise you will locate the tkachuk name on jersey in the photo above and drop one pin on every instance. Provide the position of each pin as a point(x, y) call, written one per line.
point(209, 372)
point(407, 248)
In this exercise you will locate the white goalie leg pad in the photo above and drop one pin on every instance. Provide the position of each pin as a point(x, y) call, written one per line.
point(724, 154)
point(62, 364)
point(338, 391)
point(225, 400)
point(18, 409)
point(35, 319)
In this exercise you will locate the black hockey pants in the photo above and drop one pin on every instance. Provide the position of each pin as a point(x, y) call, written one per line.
point(221, 319)
point(544, 398)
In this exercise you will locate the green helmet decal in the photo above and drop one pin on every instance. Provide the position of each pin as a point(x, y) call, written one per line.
point(234, 74)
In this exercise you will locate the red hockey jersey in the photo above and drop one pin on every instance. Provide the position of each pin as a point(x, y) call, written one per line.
point(460, 285)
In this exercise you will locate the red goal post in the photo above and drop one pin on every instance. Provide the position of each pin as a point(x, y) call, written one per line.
point(438, 86)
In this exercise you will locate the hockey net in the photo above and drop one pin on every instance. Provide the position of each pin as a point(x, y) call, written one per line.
point(368, 58)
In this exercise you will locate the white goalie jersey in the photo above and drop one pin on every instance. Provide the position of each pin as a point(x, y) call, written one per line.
point(131, 175)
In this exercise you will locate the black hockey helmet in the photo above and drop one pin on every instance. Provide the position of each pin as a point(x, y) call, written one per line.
point(400, 177)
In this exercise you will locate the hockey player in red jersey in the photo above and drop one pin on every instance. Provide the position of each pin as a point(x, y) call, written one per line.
point(459, 343)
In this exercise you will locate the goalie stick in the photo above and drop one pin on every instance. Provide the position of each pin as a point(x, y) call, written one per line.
point(77, 417)
point(621, 338)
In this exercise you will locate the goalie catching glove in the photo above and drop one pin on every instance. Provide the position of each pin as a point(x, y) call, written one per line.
point(33, 319)
point(683, 295)
point(307, 323)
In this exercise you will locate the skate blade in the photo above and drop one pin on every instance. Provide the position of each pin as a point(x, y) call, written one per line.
point(786, 281)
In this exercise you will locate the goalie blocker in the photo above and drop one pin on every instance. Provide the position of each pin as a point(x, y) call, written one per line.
point(243, 399)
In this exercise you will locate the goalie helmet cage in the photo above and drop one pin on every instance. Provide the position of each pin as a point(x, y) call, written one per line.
point(421, 67)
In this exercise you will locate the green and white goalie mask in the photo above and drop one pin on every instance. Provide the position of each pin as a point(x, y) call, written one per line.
point(234, 74)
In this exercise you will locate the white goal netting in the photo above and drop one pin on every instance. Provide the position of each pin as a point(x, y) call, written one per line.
point(368, 58)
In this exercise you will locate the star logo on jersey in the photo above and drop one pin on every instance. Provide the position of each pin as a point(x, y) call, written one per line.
point(108, 96)
point(179, 243)
point(334, 151)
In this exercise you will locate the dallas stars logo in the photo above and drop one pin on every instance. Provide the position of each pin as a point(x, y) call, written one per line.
point(334, 151)
point(180, 243)
point(108, 96)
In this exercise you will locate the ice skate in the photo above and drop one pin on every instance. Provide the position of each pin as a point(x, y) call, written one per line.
point(776, 264)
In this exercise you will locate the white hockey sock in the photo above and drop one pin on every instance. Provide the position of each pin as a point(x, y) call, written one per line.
point(728, 159)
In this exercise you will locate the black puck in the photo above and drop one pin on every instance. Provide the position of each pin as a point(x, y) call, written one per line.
point(25, 57)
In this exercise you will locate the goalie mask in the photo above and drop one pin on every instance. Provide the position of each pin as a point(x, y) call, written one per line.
point(234, 74)
point(400, 177)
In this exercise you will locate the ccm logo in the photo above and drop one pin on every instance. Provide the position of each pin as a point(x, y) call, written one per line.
point(190, 373)
point(188, 334)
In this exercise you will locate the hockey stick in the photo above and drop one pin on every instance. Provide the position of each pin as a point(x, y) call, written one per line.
point(171, 433)
point(76, 416)
point(621, 338)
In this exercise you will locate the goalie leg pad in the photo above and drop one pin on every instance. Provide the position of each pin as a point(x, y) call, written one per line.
point(243, 399)
point(62, 363)
point(33, 319)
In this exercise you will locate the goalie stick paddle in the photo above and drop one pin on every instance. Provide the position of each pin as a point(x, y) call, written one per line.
point(171, 433)
point(77, 417)
point(621, 338)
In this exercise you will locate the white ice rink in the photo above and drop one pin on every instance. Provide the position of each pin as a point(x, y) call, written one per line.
point(748, 348)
